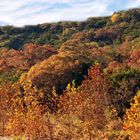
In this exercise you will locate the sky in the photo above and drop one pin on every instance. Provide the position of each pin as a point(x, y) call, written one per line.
point(31, 12)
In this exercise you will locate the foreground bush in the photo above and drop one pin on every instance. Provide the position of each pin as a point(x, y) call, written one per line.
point(132, 119)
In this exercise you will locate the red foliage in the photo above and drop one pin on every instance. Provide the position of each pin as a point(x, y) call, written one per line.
point(24, 59)
point(134, 59)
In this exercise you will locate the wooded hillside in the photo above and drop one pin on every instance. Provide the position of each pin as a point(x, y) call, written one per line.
point(72, 80)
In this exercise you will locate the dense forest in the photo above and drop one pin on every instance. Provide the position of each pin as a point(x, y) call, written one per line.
point(72, 80)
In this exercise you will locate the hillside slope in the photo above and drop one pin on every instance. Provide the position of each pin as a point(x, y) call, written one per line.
point(117, 27)
point(72, 80)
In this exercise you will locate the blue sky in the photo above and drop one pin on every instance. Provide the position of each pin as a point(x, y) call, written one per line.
point(30, 12)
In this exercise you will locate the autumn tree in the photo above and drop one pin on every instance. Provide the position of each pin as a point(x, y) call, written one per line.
point(26, 118)
point(132, 119)
point(124, 85)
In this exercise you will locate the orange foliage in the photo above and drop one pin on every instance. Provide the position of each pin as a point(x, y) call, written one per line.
point(132, 119)
point(134, 60)
point(30, 55)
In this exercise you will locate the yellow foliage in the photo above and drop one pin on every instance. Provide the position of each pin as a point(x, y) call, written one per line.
point(115, 17)
point(132, 119)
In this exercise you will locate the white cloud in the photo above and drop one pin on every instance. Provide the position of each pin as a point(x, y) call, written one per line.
point(23, 12)
point(76, 12)
point(132, 4)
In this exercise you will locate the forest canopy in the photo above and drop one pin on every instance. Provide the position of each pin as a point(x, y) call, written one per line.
point(72, 80)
